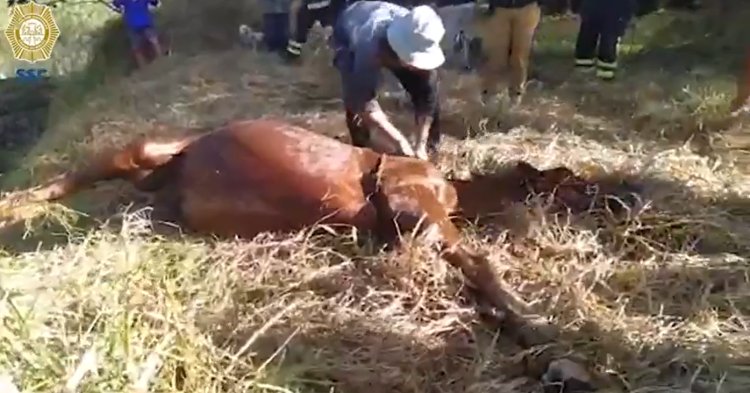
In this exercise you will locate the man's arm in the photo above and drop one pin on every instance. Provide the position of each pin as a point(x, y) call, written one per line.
point(360, 97)
point(422, 86)
point(374, 117)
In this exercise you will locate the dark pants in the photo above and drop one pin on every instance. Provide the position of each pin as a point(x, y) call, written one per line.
point(423, 96)
point(275, 31)
point(310, 12)
point(306, 18)
point(602, 25)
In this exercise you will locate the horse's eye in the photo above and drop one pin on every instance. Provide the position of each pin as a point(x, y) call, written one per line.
point(592, 189)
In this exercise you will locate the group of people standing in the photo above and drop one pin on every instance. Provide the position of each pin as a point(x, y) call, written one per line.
point(279, 36)
point(405, 39)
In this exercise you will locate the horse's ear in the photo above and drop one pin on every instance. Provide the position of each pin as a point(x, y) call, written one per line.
point(527, 170)
point(558, 174)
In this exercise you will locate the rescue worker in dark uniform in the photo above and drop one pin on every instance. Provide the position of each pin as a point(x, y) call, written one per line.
point(603, 23)
point(276, 24)
point(324, 11)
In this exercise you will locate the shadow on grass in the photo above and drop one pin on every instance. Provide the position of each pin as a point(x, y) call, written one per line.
point(366, 347)
point(24, 107)
point(361, 324)
point(674, 219)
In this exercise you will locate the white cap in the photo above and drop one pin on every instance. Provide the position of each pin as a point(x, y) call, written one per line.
point(416, 36)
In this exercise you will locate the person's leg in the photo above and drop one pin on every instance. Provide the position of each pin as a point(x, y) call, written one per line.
point(606, 62)
point(556, 7)
point(327, 16)
point(611, 30)
point(136, 47)
point(152, 37)
point(575, 6)
point(494, 30)
point(275, 31)
point(522, 36)
point(587, 39)
point(453, 40)
point(269, 30)
point(305, 20)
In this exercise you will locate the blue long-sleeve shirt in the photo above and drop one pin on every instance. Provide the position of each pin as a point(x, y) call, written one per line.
point(136, 13)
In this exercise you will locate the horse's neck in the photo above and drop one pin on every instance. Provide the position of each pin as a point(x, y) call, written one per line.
point(484, 195)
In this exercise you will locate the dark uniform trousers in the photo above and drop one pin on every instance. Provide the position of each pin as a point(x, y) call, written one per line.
point(424, 97)
point(310, 11)
point(275, 31)
point(603, 23)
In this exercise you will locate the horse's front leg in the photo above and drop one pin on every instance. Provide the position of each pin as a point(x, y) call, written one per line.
point(416, 208)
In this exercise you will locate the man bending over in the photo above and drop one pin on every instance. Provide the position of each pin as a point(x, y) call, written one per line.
point(371, 35)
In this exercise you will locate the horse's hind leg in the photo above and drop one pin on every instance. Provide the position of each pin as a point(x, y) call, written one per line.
point(163, 182)
point(159, 177)
point(132, 162)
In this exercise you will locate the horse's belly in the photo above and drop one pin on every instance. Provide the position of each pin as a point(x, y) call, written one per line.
point(246, 195)
point(246, 214)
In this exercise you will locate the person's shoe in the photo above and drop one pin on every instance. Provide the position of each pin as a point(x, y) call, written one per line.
point(585, 66)
point(605, 75)
point(290, 58)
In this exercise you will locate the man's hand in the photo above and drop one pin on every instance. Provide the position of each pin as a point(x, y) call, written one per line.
point(379, 120)
point(423, 131)
point(421, 153)
point(407, 150)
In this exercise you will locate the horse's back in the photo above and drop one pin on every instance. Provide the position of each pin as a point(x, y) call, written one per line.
point(266, 175)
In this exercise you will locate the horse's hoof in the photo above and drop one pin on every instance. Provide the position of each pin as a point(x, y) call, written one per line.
point(565, 375)
point(535, 330)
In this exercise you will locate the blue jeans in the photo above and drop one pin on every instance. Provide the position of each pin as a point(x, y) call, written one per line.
point(275, 31)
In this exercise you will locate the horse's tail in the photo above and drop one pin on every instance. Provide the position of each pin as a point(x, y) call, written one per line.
point(133, 162)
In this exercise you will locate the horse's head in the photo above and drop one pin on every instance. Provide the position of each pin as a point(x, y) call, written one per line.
point(489, 194)
point(569, 190)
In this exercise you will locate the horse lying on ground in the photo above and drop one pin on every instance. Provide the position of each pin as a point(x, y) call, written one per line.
point(254, 176)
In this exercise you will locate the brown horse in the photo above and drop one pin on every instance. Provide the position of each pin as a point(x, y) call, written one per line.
point(249, 177)
point(743, 87)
